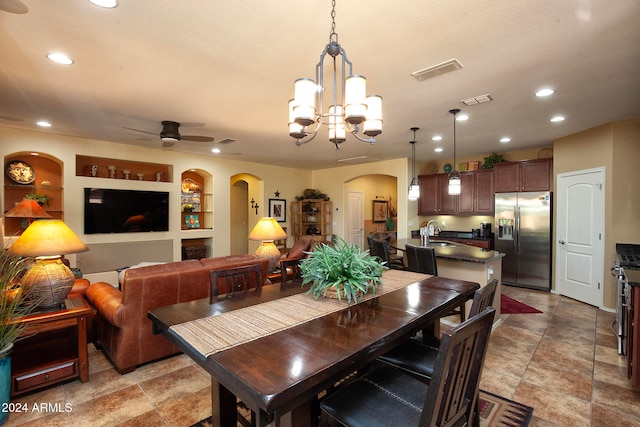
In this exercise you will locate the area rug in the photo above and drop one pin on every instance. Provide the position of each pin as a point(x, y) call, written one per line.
point(495, 411)
point(509, 305)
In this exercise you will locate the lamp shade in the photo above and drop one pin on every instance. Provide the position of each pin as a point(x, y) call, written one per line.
point(47, 237)
point(27, 208)
point(267, 229)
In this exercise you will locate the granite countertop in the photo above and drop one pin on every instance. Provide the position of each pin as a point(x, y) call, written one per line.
point(455, 251)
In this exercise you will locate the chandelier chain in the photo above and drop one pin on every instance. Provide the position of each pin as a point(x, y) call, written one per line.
point(333, 21)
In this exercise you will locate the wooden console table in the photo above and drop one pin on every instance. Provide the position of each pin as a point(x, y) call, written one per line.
point(55, 349)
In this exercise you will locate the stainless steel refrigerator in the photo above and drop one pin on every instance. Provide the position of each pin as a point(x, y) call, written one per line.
point(523, 233)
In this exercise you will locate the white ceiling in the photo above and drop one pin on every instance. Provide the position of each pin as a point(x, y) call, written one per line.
point(226, 69)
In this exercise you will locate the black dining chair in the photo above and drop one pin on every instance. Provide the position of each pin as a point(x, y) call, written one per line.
point(238, 280)
point(389, 396)
point(417, 355)
point(422, 259)
point(380, 248)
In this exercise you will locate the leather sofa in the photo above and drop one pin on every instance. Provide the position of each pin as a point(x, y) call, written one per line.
point(121, 327)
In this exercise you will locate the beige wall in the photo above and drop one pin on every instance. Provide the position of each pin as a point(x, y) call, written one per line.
point(288, 181)
point(616, 148)
point(334, 182)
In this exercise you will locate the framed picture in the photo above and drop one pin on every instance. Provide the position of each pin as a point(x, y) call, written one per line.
point(278, 209)
point(380, 209)
point(192, 221)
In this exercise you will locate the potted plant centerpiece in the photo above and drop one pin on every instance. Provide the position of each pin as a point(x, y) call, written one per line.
point(341, 271)
point(12, 306)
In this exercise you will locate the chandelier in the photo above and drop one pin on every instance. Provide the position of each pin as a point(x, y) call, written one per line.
point(414, 187)
point(454, 175)
point(350, 110)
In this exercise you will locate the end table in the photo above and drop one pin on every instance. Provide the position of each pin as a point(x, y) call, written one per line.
point(54, 347)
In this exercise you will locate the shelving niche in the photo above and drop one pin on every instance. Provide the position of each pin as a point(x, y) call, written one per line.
point(48, 181)
point(149, 171)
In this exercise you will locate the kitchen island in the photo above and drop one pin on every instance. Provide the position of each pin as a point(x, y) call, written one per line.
point(463, 262)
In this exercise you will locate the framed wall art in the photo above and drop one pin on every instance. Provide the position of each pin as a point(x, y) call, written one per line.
point(380, 210)
point(278, 209)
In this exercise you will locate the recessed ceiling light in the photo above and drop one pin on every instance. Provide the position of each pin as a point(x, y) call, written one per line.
point(556, 119)
point(60, 58)
point(545, 92)
point(43, 124)
point(436, 138)
point(438, 149)
point(462, 117)
point(215, 150)
point(505, 139)
point(105, 3)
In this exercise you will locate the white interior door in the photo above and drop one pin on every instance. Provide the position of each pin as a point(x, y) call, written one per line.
point(580, 235)
point(355, 218)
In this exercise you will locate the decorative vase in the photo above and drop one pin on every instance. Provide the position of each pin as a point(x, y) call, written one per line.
point(447, 168)
point(5, 381)
point(390, 223)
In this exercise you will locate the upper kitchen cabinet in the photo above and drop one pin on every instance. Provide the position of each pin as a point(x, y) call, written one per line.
point(435, 198)
point(529, 175)
point(483, 198)
point(430, 185)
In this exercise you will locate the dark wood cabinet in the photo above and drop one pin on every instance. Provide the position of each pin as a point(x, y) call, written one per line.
point(483, 197)
point(428, 201)
point(633, 337)
point(466, 198)
point(436, 200)
point(529, 175)
point(54, 348)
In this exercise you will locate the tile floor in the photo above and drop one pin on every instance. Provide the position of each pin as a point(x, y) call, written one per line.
point(563, 363)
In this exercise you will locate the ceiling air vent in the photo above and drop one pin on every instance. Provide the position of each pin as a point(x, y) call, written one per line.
point(436, 70)
point(481, 99)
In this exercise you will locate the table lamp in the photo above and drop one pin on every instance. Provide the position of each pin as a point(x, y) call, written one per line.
point(267, 230)
point(28, 209)
point(48, 281)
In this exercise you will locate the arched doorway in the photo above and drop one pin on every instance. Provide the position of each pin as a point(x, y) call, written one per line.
point(369, 189)
point(244, 188)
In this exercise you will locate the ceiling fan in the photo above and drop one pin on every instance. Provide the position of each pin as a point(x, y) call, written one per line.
point(170, 134)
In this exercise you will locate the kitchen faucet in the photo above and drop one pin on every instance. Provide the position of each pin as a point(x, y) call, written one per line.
point(433, 221)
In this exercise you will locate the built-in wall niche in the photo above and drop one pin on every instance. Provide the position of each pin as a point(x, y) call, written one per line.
point(46, 179)
point(100, 167)
point(196, 200)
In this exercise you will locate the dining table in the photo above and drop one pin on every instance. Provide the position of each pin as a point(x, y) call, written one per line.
point(280, 348)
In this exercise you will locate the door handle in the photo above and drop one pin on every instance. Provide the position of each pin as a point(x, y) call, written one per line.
point(562, 242)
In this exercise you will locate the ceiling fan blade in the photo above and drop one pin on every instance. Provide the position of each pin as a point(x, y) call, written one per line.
point(143, 131)
point(13, 6)
point(197, 138)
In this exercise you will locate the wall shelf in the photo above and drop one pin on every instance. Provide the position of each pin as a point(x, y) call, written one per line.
point(149, 171)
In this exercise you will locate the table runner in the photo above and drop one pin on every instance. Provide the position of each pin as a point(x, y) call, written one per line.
point(213, 334)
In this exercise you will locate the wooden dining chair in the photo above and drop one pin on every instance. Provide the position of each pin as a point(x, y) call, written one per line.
point(290, 272)
point(417, 356)
point(238, 280)
point(389, 396)
point(380, 248)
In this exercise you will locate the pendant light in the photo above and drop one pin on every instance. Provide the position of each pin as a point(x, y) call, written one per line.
point(454, 175)
point(414, 187)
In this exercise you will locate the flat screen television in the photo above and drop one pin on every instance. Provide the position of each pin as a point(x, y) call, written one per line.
point(125, 211)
